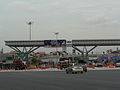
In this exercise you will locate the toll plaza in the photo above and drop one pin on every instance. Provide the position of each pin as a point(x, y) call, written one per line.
point(25, 47)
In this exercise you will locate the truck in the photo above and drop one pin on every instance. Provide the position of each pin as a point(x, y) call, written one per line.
point(64, 63)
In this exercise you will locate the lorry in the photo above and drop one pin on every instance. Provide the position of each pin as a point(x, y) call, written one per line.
point(64, 63)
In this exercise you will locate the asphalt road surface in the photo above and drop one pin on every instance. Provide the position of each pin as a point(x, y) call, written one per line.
point(92, 80)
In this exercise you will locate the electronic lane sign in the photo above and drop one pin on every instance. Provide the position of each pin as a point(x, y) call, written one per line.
point(54, 43)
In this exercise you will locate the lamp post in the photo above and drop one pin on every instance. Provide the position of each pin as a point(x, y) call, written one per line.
point(30, 29)
point(30, 37)
point(56, 34)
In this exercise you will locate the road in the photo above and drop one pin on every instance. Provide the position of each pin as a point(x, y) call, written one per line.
point(92, 80)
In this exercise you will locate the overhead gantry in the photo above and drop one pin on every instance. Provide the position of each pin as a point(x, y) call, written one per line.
point(94, 44)
point(27, 46)
point(24, 48)
point(31, 45)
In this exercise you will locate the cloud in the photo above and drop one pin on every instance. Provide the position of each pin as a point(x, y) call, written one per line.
point(21, 6)
point(53, 5)
point(67, 13)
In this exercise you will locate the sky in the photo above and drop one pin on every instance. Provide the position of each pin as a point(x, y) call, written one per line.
point(73, 19)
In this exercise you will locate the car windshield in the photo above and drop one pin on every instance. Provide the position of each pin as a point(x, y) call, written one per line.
point(118, 62)
point(77, 65)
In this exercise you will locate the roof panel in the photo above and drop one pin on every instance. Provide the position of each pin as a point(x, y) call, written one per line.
point(96, 42)
point(25, 43)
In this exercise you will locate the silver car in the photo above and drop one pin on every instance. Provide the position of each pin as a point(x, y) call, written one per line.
point(117, 64)
point(74, 69)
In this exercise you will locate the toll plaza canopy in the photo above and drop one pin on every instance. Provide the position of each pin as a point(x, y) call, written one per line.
point(96, 42)
point(35, 44)
point(25, 43)
point(42, 43)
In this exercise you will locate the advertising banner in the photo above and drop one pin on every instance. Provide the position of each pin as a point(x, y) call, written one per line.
point(54, 43)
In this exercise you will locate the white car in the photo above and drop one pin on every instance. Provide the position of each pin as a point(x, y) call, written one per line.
point(74, 69)
point(117, 64)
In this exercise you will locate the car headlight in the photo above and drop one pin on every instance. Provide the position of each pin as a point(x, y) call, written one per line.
point(73, 69)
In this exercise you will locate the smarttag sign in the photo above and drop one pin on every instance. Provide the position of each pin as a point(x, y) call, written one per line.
point(54, 43)
point(69, 43)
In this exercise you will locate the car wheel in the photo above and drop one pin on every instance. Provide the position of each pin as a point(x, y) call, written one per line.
point(75, 72)
point(67, 72)
point(72, 72)
point(81, 72)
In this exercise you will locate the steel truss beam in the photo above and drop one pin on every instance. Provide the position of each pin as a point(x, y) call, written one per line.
point(85, 52)
point(26, 50)
point(15, 48)
point(32, 49)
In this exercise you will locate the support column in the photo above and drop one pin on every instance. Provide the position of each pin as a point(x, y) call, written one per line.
point(92, 49)
point(82, 52)
point(64, 49)
point(23, 51)
point(85, 52)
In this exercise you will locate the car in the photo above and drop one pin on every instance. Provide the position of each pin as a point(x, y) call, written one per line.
point(117, 64)
point(75, 69)
point(84, 66)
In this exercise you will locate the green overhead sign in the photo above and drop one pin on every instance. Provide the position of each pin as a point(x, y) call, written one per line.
point(22, 54)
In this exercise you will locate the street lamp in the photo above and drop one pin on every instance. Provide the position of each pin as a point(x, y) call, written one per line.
point(56, 34)
point(30, 36)
point(30, 28)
